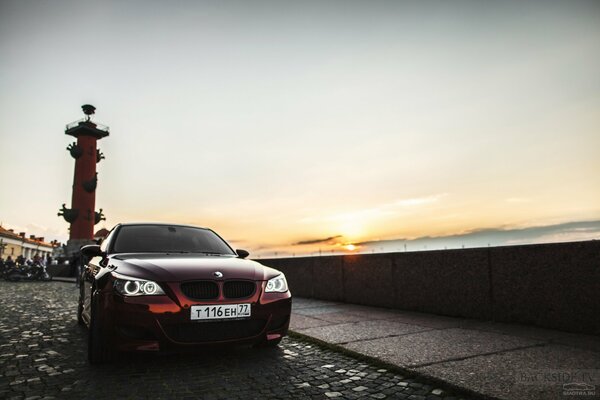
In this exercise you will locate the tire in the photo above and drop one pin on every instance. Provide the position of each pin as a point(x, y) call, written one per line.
point(99, 349)
point(80, 309)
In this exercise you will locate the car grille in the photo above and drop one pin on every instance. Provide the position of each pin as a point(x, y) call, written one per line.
point(214, 331)
point(209, 290)
point(200, 290)
point(238, 289)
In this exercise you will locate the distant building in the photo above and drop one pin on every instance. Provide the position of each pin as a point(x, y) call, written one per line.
point(17, 244)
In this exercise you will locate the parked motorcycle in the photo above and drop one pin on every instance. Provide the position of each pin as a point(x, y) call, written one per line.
point(26, 272)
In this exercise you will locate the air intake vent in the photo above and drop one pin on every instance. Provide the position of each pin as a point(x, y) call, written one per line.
point(200, 290)
point(214, 331)
point(238, 289)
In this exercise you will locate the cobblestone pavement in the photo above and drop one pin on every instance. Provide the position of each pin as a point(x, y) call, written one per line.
point(43, 355)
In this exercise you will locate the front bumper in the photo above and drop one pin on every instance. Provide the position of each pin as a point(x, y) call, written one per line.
point(163, 323)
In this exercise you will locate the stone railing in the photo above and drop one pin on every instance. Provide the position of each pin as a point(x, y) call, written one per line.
point(549, 285)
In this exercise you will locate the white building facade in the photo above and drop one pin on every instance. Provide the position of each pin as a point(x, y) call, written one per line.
point(15, 245)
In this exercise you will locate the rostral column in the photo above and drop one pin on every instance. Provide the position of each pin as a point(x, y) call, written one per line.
point(82, 215)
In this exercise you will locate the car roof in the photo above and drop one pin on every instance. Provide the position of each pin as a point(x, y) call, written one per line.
point(159, 224)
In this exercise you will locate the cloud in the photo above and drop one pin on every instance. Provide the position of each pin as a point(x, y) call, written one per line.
point(418, 201)
point(565, 232)
point(378, 211)
point(315, 241)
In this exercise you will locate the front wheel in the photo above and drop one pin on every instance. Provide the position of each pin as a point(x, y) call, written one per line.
point(99, 350)
point(80, 320)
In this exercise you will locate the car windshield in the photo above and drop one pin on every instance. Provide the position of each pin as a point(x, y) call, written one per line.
point(168, 239)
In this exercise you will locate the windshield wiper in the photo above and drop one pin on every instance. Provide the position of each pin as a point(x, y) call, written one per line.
point(210, 253)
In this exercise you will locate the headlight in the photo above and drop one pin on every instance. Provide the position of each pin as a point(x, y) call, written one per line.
point(137, 287)
point(277, 284)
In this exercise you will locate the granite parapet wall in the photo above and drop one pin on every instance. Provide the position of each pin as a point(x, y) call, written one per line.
point(554, 286)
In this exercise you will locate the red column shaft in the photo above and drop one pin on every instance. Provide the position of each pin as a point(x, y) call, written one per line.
point(85, 170)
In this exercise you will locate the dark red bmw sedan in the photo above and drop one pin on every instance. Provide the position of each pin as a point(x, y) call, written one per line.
point(161, 287)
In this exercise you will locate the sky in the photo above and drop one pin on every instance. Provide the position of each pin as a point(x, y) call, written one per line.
point(297, 127)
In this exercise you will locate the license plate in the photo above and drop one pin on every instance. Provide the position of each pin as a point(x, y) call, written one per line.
point(224, 311)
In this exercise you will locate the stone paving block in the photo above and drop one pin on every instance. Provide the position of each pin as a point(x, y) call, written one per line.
point(340, 312)
point(338, 317)
point(517, 330)
point(586, 342)
point(363, 330)
point(43, 353)
point(431, 321)
point(299, 322)
point(435, 346)
point(301, 302)
point(371, 313)
point(309, 311)
point(517, 374)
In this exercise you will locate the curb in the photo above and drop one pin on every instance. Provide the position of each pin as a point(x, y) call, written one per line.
point(458, 390)
point(63, 279)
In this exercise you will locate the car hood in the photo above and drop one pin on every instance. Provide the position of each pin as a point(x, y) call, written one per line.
point(174, 268)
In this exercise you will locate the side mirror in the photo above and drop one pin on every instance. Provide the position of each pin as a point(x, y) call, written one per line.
point(242, 253)
point(91, 250)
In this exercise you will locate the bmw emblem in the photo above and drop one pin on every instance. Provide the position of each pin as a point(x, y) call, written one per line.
point(218, 274)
